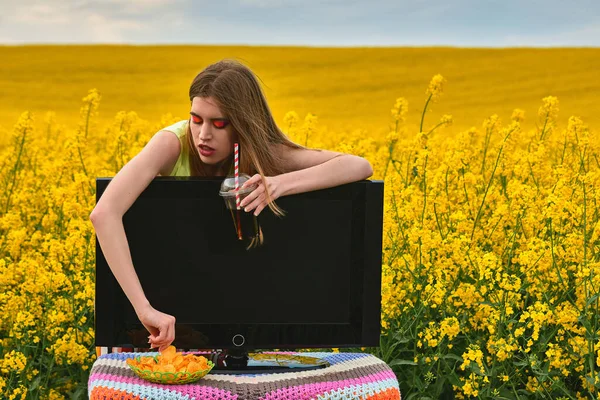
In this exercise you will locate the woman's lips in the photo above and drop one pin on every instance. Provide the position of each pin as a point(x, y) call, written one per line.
point(206, 151)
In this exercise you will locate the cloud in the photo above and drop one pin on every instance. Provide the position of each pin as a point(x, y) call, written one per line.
point(130, 7)
point(486, 23)
point(294, 3)
point(41, 14)
point(105, 30)
point(265, 3)
point(81, 21)
point(587, 35)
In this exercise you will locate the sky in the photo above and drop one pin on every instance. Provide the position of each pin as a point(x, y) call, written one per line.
point(319, 23)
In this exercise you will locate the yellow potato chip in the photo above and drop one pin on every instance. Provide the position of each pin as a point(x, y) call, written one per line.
point(182, 366)
point(169, 352)
point(178, 359)
point(148, 365)
point(168, 368)
point(193, 367)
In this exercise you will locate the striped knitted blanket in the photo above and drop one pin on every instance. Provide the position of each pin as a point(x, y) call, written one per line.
point(350, 376)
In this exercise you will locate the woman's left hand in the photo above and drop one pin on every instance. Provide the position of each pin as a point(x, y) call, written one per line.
point(257, 199)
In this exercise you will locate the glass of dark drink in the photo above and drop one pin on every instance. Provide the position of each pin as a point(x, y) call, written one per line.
point(246, 225)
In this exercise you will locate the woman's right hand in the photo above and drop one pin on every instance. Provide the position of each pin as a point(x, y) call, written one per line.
point(160, 325)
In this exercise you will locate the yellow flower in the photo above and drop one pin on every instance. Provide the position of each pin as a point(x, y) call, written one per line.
point(473, 354)
point(518, 115)
point(18, 393)
point(13, 361)
point(449, 327)
point(290, 120)
point(549, 108)
point(91, 103)
point(54, 395)
point(446, 120)
point(400, 109)
point(436, 87)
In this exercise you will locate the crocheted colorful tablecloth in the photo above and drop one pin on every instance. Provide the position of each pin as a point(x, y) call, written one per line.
point(350, 376)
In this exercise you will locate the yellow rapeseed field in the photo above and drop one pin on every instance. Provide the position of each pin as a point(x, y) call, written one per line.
point(347, 88)
point(491, 263)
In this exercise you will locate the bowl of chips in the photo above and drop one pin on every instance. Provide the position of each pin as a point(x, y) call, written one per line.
point(169, 367)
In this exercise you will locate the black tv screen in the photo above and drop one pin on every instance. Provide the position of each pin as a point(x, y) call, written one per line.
point(315, 282)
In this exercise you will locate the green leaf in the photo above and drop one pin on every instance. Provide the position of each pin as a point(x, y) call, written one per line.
point(80, 393)
point(399, 339)
point(451, 356)
point(34, 385)
point(419, 383)
point(591, 300)
point(475, 368)
point(438, 386)
point(506, 394)
point(453, 379)
point(402, 362)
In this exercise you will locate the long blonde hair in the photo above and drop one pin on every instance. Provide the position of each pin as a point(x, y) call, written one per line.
point(236, 90)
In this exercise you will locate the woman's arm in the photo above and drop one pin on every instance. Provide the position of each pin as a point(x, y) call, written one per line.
point(113, 241)
point(310, 169)
point(159, 154)
point(338, 170)
point(119, 195)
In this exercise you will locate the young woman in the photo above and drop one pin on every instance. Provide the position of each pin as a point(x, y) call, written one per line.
point(227, 106)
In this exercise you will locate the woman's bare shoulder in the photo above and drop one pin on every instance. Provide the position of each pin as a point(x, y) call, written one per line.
point(155, 158)
point(172, 148)
point(296, 158)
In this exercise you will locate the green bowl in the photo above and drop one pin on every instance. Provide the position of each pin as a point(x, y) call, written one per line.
point(170, 378)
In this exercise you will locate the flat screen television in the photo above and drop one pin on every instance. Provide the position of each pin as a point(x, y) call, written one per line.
point(314, 283)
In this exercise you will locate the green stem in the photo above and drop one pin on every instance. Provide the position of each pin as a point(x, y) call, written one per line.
point(424, 189)
point(15, 170)
point(423, 115)
point(437, 221)
point(435, 127)
point(488, 135)
point(81, 159)
point(465, 191)
point(545, 123)
point(391, 150)
point(87, 119)
point(590, 278)
point(407, 170)
point(488, 186)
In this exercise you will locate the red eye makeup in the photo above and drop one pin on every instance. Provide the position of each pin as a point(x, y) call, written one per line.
point(218, 123)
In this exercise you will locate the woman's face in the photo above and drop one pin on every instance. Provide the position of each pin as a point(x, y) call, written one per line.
point(212, 133)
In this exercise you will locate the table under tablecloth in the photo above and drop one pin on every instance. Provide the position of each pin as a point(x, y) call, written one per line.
point(350, 376)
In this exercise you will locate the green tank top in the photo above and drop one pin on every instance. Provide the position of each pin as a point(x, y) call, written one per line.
point(182, 166)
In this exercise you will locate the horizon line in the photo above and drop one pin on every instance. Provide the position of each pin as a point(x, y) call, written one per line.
point(324, 46)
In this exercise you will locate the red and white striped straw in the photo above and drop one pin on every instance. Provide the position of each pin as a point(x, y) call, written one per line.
point(237, 179)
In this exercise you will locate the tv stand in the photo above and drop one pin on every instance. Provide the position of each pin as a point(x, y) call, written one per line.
point(240, 362)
